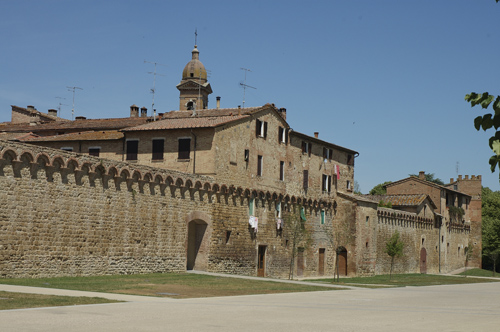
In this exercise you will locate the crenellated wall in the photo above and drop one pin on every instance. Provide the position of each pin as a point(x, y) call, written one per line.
point(425, 250)
point(67, 214)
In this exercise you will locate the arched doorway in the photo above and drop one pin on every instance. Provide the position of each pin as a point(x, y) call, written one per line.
point(197, 248)
point(423, 260)
point(342, 261)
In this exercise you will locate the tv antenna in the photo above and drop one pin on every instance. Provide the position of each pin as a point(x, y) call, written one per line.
point(245, 85)
point(59, 106)
point(199, 91)
point(457, 167)
point(153, 90)
point(73, 109)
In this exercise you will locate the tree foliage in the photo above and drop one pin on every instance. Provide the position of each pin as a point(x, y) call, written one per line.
point(340, 234)
point(488, 121)
point(394, 248)
point(431, 178)
point(300, 238)
point(490, 226)
point(379, 189)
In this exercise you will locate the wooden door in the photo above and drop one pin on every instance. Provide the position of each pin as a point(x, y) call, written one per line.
point(343, 263)
point(321, 263)
point(423, 260)
point(261, 262)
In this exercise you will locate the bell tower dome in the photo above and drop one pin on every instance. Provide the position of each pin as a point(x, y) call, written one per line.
point(194, 87)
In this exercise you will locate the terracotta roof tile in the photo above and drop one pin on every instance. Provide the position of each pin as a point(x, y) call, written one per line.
point(88, 124)
point(401, 200)
point(81, 136)
point(192, 122)
point(214, 112)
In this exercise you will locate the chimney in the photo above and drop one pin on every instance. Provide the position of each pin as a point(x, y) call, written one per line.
point(80, 118)
point(134, 111)
point(34, 118)
point(53, 112)
point(218, 102)
point(316, 134)
point(459, 177)
point(144, 112)
point(31, 107)
point(421, 175)
point(451, 180)
point(283, 113)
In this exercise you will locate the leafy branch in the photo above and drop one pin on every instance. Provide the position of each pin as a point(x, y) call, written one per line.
point(488, 121)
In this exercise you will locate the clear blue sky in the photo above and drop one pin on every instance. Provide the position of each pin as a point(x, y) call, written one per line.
point(384, 78)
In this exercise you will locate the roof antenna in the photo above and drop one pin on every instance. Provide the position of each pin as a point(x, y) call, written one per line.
point(59, 107)
point(244, 85)
point(73, 109)
point(195, 36)
point(154, 83)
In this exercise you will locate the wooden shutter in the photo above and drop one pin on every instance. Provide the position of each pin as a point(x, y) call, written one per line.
point(310, 149)
point(132, 150)
point(306, 179)
point(280, 134)
point(184, 148)
point(158, 145)
point(258, 127)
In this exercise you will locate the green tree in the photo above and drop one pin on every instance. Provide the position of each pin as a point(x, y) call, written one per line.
point(340, 234)
point(468, 256)
point(379, 189)
point(431, 178)
point(394, 247)
point(297, 233)
point(488, 121)
point(490, 226)
point(357, 188)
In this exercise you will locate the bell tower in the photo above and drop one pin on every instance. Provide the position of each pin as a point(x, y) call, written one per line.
point(194, 87)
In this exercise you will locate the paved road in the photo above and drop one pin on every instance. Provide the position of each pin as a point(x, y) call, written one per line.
point(472, 307)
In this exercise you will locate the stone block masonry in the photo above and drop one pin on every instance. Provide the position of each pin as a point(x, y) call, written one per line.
point(64, 214)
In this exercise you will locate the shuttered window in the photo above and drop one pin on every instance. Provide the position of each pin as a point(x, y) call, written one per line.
point(132, 150)
point(158, 145)
point(184, 148)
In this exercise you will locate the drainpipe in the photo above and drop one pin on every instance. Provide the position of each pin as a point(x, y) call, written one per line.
point(194, 152)
point(439, 243)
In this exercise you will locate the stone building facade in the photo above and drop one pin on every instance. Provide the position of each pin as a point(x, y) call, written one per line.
point(208, 189)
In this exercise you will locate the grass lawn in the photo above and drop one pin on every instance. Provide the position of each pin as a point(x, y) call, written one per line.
point(480, 273)
point(401, 280)
point(10, 300)
point(176, 285)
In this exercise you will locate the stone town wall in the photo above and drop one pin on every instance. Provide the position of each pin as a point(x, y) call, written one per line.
point(65, 214)
point(419, 235)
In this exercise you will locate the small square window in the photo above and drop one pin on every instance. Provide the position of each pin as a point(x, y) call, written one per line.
point(94, 152)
